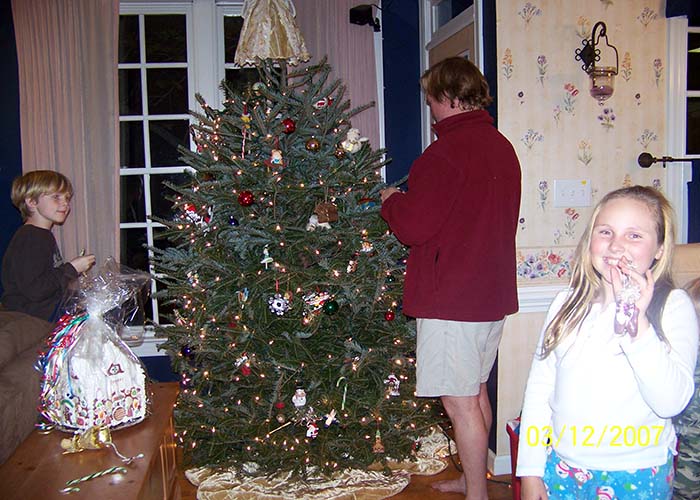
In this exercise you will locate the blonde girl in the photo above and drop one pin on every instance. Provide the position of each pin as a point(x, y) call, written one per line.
point(614, 362)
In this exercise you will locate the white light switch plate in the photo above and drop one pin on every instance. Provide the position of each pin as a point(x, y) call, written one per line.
point(572, 193)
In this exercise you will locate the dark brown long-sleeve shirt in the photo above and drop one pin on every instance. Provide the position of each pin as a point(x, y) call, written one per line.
point(34, 276)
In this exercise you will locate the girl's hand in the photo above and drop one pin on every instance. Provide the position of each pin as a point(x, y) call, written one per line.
point(645, 283)
point(633, 293)
point(533, 488)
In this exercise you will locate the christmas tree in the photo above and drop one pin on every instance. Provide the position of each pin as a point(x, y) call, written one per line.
point(286, 286)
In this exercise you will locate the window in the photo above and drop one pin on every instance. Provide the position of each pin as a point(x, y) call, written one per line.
point(167, 53)
point(446, 10)
point(683, 125)
point(692, 131)
point(692, 146)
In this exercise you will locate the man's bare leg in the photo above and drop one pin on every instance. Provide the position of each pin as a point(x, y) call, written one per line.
point(462, 418)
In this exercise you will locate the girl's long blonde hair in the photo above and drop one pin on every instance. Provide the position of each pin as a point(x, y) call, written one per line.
point(586, 283)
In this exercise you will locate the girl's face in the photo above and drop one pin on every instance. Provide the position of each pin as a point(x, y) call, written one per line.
point(625, 228)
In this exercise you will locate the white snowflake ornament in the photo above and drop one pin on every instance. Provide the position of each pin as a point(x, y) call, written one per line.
point(278, 304)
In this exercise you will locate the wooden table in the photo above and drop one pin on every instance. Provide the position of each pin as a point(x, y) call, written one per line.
point(38, 469)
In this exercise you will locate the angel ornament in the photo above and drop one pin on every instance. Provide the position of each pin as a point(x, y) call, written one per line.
point(267, 260)
point(353, 141)
point(626, 310)
point(270, 32)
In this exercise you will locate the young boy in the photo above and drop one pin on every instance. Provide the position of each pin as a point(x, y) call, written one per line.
point(34, 276)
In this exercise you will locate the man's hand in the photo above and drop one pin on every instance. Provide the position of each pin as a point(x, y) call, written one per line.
point(533, 488)
point(385, 193)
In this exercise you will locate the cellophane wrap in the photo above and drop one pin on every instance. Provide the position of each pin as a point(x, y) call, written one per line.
point(90, 376)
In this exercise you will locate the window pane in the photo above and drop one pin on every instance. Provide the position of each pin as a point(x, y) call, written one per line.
point(449, 9)
point(167, 91)
point(165, 137)
point(130, 92)
point(133, 207)
point(136, 309)
point(694, 61)
point(692, 146)
point(133, 251)
point(129, 39)
point(160, 205)
point(232, 32)
point(160, 241)
point(166, 38)
point(131, 144)
point(164, 308)
point(148, 308)
point(239, 80)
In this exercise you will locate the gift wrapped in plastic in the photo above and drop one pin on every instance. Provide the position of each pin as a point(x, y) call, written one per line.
point(90, 376)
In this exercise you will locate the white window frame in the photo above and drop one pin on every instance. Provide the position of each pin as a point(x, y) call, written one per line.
point(678, 174)
point(205, 65)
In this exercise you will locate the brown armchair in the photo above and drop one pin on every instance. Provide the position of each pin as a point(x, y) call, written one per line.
point(686, 263)
point(21, 338)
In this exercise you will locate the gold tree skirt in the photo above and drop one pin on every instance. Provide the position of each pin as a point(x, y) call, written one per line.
point(349, 484)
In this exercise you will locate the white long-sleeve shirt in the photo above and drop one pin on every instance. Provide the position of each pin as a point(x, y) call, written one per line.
point(609, 401)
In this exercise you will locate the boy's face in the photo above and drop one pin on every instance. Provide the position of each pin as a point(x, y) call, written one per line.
point(49, 209)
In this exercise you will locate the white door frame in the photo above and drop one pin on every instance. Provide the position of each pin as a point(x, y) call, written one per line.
point(431, 35)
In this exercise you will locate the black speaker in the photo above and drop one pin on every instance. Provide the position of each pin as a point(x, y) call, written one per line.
point(362, 14)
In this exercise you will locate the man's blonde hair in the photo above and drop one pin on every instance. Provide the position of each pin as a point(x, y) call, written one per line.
point(33, 184)
point(457, 78)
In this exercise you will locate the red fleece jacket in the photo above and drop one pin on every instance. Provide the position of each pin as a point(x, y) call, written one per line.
point(459, 217)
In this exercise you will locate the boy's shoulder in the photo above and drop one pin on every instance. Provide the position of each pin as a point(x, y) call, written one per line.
point(31, 232)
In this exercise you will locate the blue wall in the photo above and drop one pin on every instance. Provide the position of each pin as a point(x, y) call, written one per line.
point(10, 149)
point(402, 99)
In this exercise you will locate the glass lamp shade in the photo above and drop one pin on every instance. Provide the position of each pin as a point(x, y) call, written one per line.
point(602, 82)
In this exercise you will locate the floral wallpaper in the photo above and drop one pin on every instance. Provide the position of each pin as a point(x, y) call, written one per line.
point(559, 131)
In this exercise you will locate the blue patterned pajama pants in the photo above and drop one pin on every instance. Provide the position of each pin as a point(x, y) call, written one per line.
point(565, 482)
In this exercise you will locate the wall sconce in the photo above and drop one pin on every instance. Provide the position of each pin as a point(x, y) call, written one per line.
point(602, 77)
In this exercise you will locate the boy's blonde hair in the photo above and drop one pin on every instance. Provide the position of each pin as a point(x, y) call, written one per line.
point(586, 283)
point(33, 184)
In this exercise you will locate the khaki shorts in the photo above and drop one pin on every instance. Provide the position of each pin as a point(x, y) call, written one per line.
point(454, 357)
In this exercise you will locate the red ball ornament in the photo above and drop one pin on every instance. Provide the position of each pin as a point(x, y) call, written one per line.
point(279, 405)
point(246, 199)
point(245, 370)
point(289, 125)
point(390, 315)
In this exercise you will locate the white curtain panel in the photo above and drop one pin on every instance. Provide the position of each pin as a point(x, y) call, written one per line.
point(350, 49)
point(67, 54)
